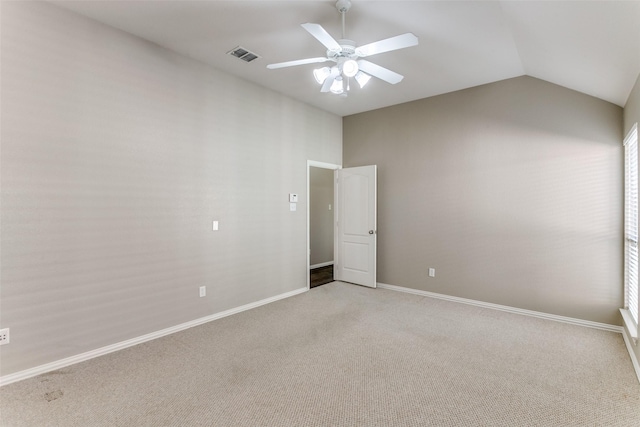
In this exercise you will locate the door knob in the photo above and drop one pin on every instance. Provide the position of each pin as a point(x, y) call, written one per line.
point(371, 231)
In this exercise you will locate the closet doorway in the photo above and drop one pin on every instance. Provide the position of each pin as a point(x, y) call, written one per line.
point(320, 222)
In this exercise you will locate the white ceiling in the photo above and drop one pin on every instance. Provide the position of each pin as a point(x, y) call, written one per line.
point(589, 46)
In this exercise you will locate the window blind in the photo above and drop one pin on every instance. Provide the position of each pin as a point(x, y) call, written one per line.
point(631, 222)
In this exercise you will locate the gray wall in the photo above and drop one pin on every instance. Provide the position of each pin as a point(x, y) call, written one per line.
point(631, 116)
point(632, 108)
point(512, 191)
point(116, 157)
point(320, 217)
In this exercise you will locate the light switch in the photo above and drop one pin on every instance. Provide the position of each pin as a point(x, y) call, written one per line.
point(293, 198)
point(215, 225)
point(329, 207)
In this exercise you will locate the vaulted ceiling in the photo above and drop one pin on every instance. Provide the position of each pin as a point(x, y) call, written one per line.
point(589, 46)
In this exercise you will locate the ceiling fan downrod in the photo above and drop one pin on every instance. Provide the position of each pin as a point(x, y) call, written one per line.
point(343, 7)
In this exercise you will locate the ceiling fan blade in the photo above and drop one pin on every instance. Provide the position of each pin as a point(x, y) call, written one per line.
point(379, 72)
point(322, 36)
point(327, 84)
point(386, 45)
point(298, 62)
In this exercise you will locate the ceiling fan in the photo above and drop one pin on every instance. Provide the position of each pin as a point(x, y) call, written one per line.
point(347, 57)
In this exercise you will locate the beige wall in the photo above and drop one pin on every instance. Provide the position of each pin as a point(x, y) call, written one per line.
point(512, 191)
point(116, 157)
point(320, 217)
point(631, 116)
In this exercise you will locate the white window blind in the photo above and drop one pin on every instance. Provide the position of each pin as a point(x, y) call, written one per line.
point(631, 222)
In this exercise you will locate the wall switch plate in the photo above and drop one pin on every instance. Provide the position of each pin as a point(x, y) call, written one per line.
point(293, 198)
point(432, 272)
point(292, 207)
point(203, 291)
point(4, 336)
point(215, 225)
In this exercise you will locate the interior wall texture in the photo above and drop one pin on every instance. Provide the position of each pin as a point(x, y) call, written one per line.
point(512, 191)
point(632, 116)
point(116, 157)
point(320, 216)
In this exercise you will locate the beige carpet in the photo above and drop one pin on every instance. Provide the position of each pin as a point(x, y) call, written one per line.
point(343, 355)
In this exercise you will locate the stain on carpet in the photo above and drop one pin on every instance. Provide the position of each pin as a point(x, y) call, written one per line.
point(53, 395)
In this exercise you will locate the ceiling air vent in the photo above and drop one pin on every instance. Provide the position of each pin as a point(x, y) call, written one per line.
point(244, 54)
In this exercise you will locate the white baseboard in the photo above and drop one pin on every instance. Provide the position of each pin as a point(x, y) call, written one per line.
point(634, 359)
point(541, 315)
point(322, 264)
point(48, 367)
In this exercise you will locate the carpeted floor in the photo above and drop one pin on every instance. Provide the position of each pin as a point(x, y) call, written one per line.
point(343, 355)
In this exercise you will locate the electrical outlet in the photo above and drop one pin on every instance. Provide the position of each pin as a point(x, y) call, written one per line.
point(4, 336)
point(432, 272)
point(203, 291)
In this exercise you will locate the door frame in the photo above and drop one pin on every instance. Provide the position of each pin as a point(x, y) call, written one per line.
point(322, 165)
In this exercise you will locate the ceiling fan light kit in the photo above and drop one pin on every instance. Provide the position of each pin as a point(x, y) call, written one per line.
point(320, 74)
point(337, 86)
point(362, 78)
point(346, 55)
point(350, 68)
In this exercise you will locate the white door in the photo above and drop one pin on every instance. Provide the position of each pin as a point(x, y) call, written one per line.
point(355, 242)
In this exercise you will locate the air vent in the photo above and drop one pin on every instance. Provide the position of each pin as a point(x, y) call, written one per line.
point(244, 54)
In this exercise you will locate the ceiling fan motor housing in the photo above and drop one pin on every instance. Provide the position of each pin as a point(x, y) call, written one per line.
point(348, 50)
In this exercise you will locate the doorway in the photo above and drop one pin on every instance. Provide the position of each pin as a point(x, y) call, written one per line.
point(320, 222)
point(354, 231)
